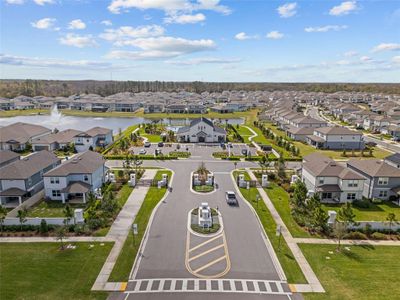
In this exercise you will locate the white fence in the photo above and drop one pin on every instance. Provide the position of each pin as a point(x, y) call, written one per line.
point(376, 225)
point(36, 221)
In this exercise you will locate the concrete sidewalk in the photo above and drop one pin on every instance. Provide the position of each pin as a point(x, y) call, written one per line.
point(50, 239)
point(313, 285)
point(346, 242)
point(120, 229)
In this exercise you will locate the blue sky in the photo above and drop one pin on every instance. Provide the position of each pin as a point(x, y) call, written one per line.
point(208, 40)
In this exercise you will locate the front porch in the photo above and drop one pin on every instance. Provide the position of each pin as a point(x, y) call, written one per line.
point(315, 141)
point(12, 197)
point(75, 192)
point(329, 193)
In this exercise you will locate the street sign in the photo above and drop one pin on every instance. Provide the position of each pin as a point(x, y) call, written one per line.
point(135, 228)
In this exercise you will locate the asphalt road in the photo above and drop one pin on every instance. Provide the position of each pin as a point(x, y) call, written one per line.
point(164, 253)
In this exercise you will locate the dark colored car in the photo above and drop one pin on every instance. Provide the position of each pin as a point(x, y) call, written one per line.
point(160, 144)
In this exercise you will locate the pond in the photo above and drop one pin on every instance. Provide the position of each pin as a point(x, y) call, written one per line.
point(61, 122)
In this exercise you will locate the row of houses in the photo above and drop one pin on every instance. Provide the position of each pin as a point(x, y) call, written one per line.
point(314, 132)
point(335, 182)
point(72, 180)
point(18, 136)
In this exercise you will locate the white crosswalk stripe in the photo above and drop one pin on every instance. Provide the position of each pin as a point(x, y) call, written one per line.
point(176, 285)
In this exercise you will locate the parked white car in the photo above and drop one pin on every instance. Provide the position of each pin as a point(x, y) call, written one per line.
point(142, 151)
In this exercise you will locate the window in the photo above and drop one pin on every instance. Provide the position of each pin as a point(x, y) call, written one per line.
point(326, 195)
point(351, 196)
point(56, 193)
point(353, 183)
point(383, 180)
point(321, 180)
point(86, 178)
point(54, 180)
point(383, 194)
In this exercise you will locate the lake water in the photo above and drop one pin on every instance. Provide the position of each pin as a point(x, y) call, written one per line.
point(62, 122)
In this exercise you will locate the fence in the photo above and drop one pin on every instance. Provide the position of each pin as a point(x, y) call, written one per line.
point(376, 225)
point(36, 221)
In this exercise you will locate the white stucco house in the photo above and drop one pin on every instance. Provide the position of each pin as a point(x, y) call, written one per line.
point(201, 130)
point(76, 177)
point(94, 137)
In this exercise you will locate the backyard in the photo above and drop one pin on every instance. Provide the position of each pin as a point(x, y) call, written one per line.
point(42, 271)
point(360, 273)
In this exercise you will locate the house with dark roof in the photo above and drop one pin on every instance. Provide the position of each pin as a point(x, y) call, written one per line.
point(55, 141)
point(393, 160)
point(76, 177)
point(23, 178)
point(16, 136)
point(331, 180)
point(336, 138)
point(7, 157)
point(92, 138)
point(201, 130)
point(382, 180)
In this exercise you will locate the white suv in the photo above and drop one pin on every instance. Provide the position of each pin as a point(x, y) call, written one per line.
point(231, 198)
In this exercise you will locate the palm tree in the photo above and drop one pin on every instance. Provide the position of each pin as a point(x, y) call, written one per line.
point(3, 214)
point(391, 220)
point(21, 214)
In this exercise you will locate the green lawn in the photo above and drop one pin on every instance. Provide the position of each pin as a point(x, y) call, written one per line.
point(203, 188)
point(128, 253)
point(363, 273)
point(41, 271)
point(280, 199)
point(245, 133)
point(123, 194)
point(152, 138)
point(285, 256)
point(53, 209)
point(376, 212)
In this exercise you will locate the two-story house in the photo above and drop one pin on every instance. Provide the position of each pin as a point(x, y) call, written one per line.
point(24, 178)
point(332, 181)
point(201, 130)
point(76, 177)
point(94, 137)
point(7, 157)
point(336, 138)
point(381, 179)
point(55, 141)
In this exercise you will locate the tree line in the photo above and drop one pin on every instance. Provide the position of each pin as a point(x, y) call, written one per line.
point(54, 88)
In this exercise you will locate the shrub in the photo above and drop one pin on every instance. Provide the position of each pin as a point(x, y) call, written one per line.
point(377, 201)
point(272, 176)
point(43, 228)
point(378, 236)
point(355, 235)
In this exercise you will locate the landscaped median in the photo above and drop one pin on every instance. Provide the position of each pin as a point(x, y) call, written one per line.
point(126, 258)
point(356, 273)
point(291, 268)
point(170, 156)
point(43, 271)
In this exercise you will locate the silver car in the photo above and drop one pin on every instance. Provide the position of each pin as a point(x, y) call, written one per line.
point(231, 198)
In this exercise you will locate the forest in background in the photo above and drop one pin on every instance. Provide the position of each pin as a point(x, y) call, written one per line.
point(13, 88)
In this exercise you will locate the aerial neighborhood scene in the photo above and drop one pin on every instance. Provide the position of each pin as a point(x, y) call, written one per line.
point(200, 149)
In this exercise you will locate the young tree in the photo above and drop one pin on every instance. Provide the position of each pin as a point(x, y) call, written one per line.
point(21, 214)
point(346, 214)
point(280, 167)
point(61, 233)
point(137, 163)
point(68, 214)
point(299, 195)
point(264, 162)
point(339, 231)
point(3, 214)
point(391, 220)
point(43, 229)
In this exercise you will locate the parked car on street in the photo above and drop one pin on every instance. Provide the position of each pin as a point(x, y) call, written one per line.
point(142, 151)
point(160, 144)
point(147, 144)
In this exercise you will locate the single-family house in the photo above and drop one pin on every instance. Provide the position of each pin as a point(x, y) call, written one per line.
point(76, 177)
point(382, 179)
point(7, 157)
point(55, 141)
point(24, 177)
point(94, 137)
point(336, 138)
point(393, 160)
point(332, 181)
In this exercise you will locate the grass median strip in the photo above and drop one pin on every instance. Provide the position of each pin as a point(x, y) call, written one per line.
point(128, 253)
point(285, 256)
point(42, 271)
point(360, 273)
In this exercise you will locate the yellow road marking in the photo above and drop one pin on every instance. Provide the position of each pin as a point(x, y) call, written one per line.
point(210, 264)
point(122, 288)
point(292, 288)
point(205, 243)
point(206, 252)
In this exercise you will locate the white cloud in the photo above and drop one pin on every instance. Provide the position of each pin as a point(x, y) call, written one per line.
point(45, 23)
point(51, 62)
point(325, 28)
point(16, 2)
point(169, 6)
point(366, 59)
point(344, 8)
point(43, 2)
point(106, 23)
point(396, 59)
point(79, 41)
point(275, 35)
point(77, 24)
point(241, 36)
point(350, 53)
point(204, 60)
point(287, 10)
point(161, 47)
point(386, 47)
point(128, 32)
point(185, 18)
